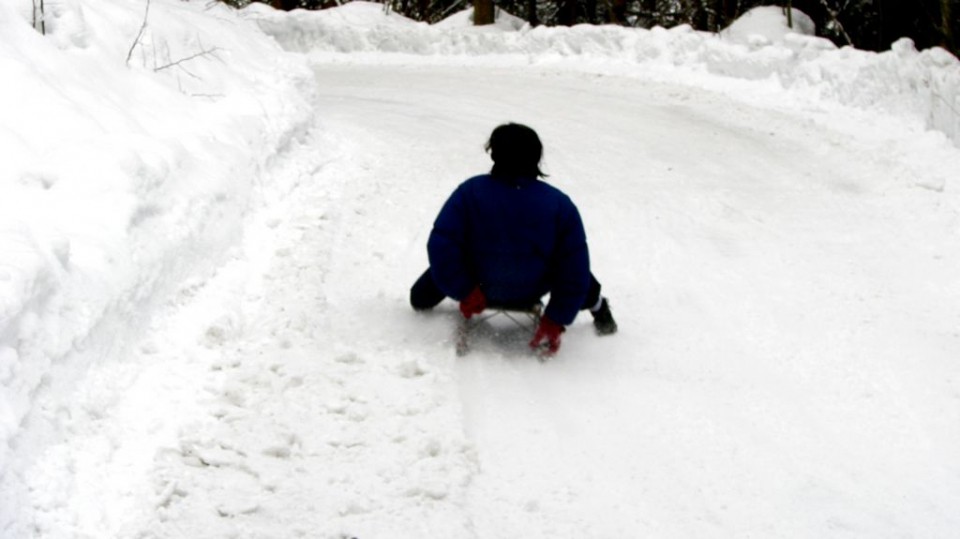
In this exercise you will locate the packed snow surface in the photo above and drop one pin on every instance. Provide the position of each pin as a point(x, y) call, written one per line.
point(209, 224)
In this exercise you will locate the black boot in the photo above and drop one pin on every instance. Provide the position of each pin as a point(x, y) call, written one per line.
point(603, 319)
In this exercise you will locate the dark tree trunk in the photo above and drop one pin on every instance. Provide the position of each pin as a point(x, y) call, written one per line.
point(483, 12)
point(947, 23)
point(285, 5)
point(567, 15)
point(728, 12)
point(618, 11)
point(532, 16)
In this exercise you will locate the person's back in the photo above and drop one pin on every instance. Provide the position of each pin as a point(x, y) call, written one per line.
point(518, 238)
point(508, 238)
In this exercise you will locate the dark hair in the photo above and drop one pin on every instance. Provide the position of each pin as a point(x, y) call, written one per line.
point(516, 151)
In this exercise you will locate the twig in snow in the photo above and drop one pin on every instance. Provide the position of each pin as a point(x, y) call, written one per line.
point(143, 27)
point(208, 96)
point(39, 23)
point(203, 52)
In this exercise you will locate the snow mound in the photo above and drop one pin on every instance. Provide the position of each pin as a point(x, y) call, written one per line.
point(768, 24)
point(358, 14)
point(463, 20)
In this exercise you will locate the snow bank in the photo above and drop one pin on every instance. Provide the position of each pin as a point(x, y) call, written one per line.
point(758, 47)
point(109, 197)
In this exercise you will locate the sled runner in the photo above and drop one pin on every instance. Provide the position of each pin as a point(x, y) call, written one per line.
point(526, 317)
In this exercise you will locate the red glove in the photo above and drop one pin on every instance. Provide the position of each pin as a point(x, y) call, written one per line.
point(474, 303)
point(548, 331)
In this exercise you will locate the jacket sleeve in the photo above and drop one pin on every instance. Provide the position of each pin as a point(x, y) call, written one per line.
point(570, 267)
point(447, 250)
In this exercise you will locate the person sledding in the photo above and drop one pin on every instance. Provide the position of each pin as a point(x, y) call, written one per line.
point(507, 239)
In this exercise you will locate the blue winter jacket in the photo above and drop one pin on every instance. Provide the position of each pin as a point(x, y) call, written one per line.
point(518, 239)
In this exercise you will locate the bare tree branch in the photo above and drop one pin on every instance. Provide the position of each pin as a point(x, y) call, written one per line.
point(834, 23)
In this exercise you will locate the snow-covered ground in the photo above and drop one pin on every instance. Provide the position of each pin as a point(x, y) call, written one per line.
point(205, 263)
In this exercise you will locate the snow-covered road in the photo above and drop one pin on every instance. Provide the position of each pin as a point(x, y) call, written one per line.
point(784, 279)
point(782, 365)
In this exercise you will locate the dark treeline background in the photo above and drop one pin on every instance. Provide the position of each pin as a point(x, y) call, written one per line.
point(864, 24)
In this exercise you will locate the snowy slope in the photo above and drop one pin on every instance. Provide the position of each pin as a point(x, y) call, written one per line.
point(780, 258)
